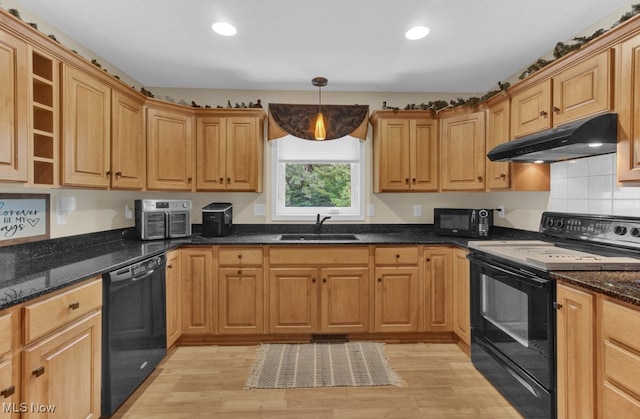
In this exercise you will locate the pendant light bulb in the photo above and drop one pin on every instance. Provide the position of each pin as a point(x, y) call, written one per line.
point(320, 132)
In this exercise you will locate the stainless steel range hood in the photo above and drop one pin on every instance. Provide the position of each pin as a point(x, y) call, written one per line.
point(583, 138)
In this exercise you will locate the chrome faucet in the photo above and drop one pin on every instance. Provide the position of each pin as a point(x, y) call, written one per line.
point(319, 223)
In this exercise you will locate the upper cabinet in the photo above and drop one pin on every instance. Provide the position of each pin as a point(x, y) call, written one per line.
point(128, 151)
point(462, 152)
point(405, 147)
point(14, 110)
point(629, 111)
point(86, 130)
point(170, 147)
point(230, 147)
point(581, 89)
point(505, 175)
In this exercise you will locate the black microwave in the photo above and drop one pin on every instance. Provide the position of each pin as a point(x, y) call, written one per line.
point(463, 222)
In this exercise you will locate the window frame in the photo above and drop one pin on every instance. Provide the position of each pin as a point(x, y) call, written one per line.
point(358, 181)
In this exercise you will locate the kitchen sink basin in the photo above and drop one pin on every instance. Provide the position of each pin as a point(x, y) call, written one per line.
point(319, 237)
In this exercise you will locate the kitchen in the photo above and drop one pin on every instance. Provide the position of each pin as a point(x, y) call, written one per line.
point(105, 210)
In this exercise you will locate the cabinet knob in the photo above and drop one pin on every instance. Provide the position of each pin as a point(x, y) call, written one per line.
point(38, 371)
point(479, 178)
point(556, 109)
point(228, 180)
point(502, 175)
point(169, 266)
point(221, 180)
point(324, 280)
point(239, 271)
point(543, 113)
point(189, 179)
point(8, 392)
point(414, 181)
point(313, 280)
point(118, 174)
point(406, 180)
point(108, 173)
point(379, 279)
point(428, 259)
point(239, 256)
point(74, 306)
point(557, 305)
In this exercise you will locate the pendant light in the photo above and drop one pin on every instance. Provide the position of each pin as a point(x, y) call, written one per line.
point(320, 132)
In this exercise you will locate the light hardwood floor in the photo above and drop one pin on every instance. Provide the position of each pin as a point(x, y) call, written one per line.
point(208, 381)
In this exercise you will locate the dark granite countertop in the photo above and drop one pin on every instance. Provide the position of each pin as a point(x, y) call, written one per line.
point(622, 285)
point(33, 269)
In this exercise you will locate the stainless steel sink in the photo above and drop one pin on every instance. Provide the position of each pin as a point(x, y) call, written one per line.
point(319, 237)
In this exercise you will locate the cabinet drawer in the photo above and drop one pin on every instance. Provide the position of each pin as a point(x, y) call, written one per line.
point(54, 312)
point(396, 256)
point(240, 256)
point(622, 324)
point(319, 255)
point(5, 334)
point(622, 366)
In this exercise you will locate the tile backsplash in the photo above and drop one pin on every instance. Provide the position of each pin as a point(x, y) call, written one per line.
point(589, 186)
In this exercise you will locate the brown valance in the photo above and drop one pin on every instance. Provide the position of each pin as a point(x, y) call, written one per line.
point(299, 120)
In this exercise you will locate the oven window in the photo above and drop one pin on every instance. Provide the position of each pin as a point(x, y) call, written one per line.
point(506, 308)
point(454, 221)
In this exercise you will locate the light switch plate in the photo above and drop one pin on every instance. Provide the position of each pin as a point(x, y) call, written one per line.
point(259, 210)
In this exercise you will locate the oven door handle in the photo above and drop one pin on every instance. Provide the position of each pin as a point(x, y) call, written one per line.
point(529, 279)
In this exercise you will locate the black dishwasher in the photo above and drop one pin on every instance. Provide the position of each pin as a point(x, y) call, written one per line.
point(134, 333)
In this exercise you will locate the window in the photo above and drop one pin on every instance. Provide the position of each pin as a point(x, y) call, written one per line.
point(318, 177)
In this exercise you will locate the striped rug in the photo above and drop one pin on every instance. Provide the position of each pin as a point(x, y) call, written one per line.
point(350, 364)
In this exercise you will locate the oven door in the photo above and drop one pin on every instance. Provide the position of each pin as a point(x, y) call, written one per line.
point(512, 312)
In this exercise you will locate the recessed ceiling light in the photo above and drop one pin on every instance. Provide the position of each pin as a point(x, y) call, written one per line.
point(417, 32)
point(224, 28)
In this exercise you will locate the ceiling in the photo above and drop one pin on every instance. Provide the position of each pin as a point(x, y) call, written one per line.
point(359, 45)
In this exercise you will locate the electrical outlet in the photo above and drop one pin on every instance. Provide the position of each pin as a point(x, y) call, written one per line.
point(371, 210)
point(501, 211)
point(417, 210)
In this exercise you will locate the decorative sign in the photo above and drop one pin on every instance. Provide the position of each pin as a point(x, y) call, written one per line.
point(23, 218)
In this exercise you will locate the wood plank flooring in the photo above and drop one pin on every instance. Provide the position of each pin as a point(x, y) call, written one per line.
point(208, 381)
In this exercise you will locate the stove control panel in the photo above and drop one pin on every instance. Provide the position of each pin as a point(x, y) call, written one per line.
point(620, 231)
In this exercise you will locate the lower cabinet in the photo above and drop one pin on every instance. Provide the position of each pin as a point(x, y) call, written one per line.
point(61, 373)
point(461, 297)
point(9, 374)
point(174, 295)
point(197, 291)
point(240, 300)
point(438, 304)
point(319, 300)
point(575, 353)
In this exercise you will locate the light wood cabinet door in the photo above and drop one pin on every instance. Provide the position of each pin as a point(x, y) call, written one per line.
point(438, 306)
point(293, 300)
point(628, 106)
point(170, 148)
point(174, 296)
point(86, 130)
point(618, 350)
point(63, 371)
point(462, 149)
point(241, 300)
point(344, 300)
point(8, 389)
point(197, 291)
point(14, 111)
point(128, 148)
point(531, 110)
point(211, 134)
point(243, 169)
point(498, 132)
point(396, 299)
point(583, 89)
point(575, 353)
point(424, 155)
point(461, 299)
point(392, 149)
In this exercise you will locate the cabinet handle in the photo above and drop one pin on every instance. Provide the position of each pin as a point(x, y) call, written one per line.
point(324, 280)
point(108, 173)
point(556, 109)
point(228, 180)
point(379, 279)
point(406, 180)
point(428, 259)
point(239, 256)
point(543, 113)
point(221, 180)
point(189, 179)
point(38, 371)
point(502, 175)
point(557, 306)
point(313, 280)
point(169, 266)
point(118, 174)
point(74, 306)
point(8, 392)
point(239, 271)
point(414, 181)
point(479, 178)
